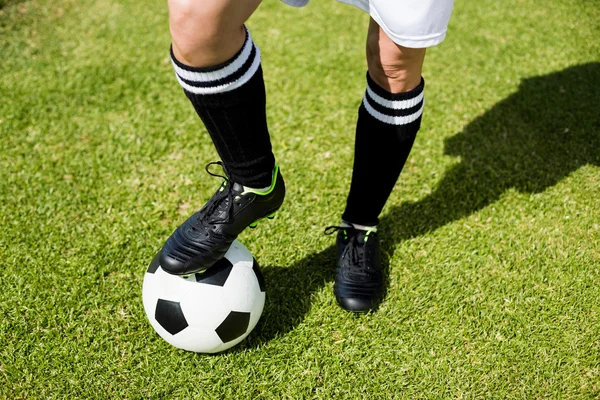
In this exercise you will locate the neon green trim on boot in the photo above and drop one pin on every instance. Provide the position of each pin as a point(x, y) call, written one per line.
point(273, 181)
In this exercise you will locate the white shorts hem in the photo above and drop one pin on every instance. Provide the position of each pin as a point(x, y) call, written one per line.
point(415, 42)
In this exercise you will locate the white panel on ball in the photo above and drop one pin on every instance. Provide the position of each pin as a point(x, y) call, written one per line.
point(244, 283)
point(259, 305)
point(205, 307)
point(188, 339)
point(238, 254)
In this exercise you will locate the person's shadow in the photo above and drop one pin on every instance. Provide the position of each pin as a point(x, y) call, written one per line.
point(529, 141)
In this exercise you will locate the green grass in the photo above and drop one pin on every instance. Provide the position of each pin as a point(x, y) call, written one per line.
point(492, 232)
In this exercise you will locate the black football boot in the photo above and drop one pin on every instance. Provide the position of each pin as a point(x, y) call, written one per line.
point(205, 237)
point(358, 285)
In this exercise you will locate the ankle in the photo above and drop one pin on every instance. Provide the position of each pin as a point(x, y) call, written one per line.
point(264, 189)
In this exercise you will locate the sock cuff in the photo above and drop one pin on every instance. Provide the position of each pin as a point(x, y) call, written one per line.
point(221, 78)
point(394, 108)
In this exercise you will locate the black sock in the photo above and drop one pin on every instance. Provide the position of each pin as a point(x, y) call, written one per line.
point(230, 99)
point(386, 129)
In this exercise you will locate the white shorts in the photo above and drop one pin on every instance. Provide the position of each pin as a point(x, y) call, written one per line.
point(409, 23)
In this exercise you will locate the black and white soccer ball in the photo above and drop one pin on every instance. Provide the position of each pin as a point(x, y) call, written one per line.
point(210, 311)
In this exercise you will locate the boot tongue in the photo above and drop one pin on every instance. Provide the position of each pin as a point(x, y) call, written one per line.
point(360, 237)
point(363, 236)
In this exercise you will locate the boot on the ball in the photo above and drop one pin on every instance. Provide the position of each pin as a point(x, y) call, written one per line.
point(206, 236)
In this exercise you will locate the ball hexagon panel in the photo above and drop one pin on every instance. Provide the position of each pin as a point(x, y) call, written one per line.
point(187, 339)
point(168, 287)
point(259, 305)
point(205, 308)
point(242, 289)
point(238, 253)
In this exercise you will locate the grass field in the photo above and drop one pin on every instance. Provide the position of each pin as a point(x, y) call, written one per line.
point(492, 233)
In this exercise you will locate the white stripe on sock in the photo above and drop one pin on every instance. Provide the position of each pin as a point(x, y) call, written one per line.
point(227, 86)
point(395, 104)
point(390, 119)
point(220, 73)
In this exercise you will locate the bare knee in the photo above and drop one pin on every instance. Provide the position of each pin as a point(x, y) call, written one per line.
point(393, 67)
point(208, 32)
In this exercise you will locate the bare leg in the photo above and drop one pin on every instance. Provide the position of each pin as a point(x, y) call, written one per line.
point(393, 67)
point(208, 32)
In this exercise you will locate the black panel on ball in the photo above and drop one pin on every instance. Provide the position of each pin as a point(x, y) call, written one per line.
point(217, 274)
point(154, 264)
point(259, 275)
point(234, 326)
point(170, 316)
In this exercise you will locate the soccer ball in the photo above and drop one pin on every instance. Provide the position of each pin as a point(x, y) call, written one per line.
point(210, 311)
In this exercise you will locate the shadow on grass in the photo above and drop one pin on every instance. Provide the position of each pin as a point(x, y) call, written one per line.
point(6, 3)
point(529, 141)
